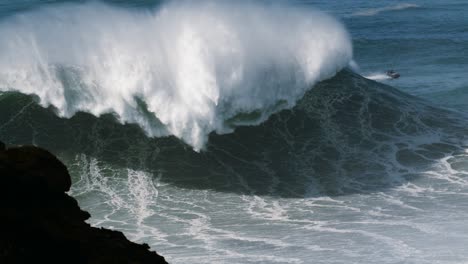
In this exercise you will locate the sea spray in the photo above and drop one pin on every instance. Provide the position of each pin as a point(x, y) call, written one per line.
point(184, 69)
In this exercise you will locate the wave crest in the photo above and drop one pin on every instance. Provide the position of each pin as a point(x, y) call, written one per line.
point(185, 70)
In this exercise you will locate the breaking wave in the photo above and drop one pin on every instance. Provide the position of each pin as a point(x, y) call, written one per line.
point(184, 70)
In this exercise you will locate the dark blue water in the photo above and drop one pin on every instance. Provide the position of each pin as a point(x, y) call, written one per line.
point(426, 41)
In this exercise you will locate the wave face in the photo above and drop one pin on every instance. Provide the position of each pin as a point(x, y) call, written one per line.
point(180, 70)
point(354, 163)
point(347, 135)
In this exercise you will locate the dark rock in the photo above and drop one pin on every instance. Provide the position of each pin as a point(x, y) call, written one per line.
point(38, 166)
point(40, 223)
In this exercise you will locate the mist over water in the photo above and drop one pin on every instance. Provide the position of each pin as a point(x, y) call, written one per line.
point(183, 69)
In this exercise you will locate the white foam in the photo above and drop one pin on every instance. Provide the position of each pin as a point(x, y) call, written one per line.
point(378, 76)
point(376, 11)
point(143, 192)
point(194, 66)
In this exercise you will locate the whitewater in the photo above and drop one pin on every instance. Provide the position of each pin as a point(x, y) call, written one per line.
point(255, 131)
point(181, 70)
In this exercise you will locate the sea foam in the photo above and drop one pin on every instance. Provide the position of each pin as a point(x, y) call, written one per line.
point(185, 69)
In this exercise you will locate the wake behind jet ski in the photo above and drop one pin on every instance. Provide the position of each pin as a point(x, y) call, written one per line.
point(393, 74)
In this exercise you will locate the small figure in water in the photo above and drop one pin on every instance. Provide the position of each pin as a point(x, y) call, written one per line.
point(393, 74)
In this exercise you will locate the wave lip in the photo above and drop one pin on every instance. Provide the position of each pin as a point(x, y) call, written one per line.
point(184, 70)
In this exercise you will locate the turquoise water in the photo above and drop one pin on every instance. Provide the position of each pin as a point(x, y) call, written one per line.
point(192, 126)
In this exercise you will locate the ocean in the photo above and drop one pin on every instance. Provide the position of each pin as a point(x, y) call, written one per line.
point(251, 131)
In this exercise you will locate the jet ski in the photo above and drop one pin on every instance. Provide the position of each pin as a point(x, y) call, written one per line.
point(393, 74)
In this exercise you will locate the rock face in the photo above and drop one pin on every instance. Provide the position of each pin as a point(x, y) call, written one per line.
point(40, 223)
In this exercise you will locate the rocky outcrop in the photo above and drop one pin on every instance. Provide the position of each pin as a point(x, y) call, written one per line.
point(40, 223)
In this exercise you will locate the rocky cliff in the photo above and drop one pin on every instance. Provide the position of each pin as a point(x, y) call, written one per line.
point(40, 223)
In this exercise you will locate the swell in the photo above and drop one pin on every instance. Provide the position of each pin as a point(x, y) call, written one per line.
point(346, 135)
point(184, 69)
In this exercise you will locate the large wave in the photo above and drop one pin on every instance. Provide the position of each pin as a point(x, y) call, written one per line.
point(347, 135)
point(184, 69)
